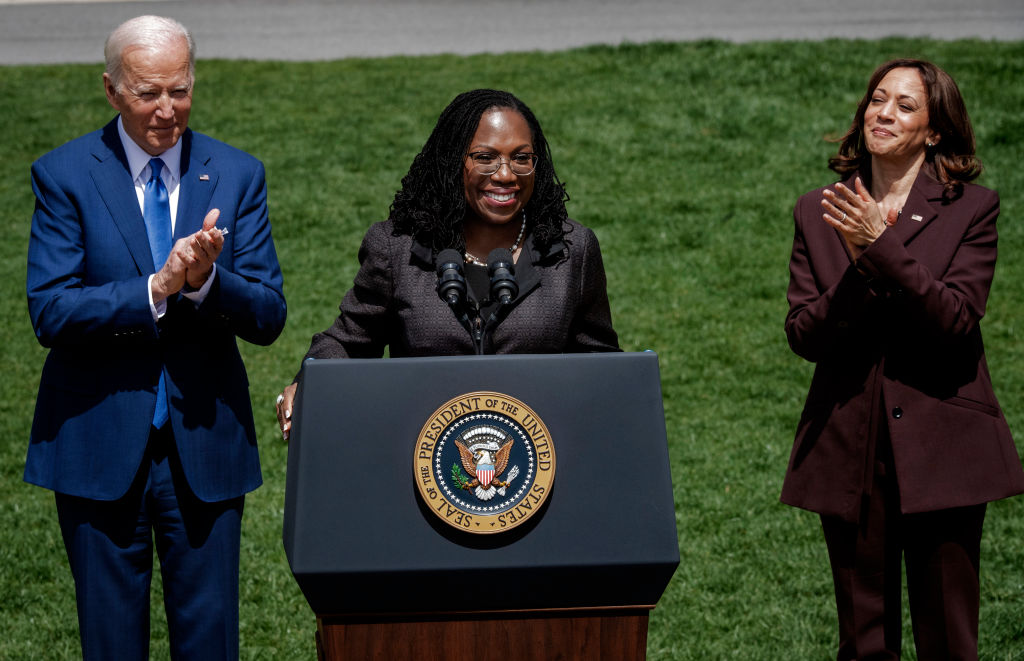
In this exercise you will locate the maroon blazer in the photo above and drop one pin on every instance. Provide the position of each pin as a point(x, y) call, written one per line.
point(897, 343)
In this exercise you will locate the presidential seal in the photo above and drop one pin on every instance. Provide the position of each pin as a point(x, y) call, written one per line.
point(484, 463)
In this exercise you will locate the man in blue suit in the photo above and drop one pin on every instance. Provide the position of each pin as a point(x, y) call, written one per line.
point(150, 253)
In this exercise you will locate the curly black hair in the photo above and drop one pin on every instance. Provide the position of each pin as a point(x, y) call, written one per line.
point(431, 205)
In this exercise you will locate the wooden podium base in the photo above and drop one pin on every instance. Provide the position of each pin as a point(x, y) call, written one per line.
point(587, 633)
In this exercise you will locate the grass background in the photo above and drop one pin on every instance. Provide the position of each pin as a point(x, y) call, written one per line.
point(686, 160)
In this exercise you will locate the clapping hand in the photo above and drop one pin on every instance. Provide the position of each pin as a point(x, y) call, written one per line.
point(204, 247)
point(855, 214)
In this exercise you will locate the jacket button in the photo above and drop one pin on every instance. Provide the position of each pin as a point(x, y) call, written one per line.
point(897, 413)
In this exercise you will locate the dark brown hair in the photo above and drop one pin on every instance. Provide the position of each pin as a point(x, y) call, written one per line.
point(952, 158)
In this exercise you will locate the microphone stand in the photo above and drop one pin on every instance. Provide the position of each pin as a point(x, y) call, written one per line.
point(504, 288)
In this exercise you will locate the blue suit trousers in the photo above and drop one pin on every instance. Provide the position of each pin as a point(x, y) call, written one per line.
point(110, 550)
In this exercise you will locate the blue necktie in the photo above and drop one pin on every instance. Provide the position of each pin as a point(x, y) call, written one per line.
point(156, 210)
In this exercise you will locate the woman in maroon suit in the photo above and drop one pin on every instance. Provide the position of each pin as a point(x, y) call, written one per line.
point(901, 441)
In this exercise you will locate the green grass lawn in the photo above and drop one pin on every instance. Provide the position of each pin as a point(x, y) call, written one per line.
point(686, 160)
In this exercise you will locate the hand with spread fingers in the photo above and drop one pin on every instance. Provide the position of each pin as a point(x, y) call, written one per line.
point(855, 214)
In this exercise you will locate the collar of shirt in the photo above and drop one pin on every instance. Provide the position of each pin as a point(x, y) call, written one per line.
point(138, 159)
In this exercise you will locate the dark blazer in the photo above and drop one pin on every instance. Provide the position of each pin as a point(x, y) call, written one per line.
point(562, 304)
point(88, 264)
point(898, 345)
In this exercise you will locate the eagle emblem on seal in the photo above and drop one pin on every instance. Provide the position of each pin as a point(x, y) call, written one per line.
point(484, 463)
point(484, 452)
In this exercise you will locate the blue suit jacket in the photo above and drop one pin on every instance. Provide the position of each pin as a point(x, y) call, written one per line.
point(88, 264)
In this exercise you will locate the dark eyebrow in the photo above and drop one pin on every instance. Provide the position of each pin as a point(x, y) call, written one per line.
point(900, 97)
point(486, 147)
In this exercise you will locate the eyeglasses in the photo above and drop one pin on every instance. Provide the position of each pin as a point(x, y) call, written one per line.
point(486, 163)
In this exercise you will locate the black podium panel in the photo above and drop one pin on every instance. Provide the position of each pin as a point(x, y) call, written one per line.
point(359, 539)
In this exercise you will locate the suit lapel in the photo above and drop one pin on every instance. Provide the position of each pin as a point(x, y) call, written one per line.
point(527, 273)
point(198, 181)
point(114, 183)
point(918, 211)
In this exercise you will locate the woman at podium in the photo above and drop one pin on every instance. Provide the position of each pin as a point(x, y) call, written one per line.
point(515, 274)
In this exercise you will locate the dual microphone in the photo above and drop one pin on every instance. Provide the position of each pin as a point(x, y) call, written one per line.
point(451, 287)
point(451, 282)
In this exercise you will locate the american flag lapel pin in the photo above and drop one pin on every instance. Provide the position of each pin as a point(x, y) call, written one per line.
point(206, 177)
point(916, 217)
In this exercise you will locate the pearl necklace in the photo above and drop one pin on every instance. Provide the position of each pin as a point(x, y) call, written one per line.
point(515, 245)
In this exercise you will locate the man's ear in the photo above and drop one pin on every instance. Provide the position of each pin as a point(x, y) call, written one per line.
point(111, 91)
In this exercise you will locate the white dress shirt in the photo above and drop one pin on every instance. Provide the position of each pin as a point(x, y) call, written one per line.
point(138, 165)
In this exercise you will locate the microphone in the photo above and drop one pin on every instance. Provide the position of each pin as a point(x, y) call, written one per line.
point(502, 270)
point(451, 284)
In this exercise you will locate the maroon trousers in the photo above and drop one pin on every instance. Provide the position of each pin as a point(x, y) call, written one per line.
point(941, 550)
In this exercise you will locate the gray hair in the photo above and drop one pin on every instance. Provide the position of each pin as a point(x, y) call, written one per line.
point(149, 32)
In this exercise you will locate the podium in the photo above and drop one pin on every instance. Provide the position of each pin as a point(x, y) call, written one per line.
point(387, 577)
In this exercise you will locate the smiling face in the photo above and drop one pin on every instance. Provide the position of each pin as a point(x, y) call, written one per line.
point(154, 96)
point(498, 198)
point(896, 123)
